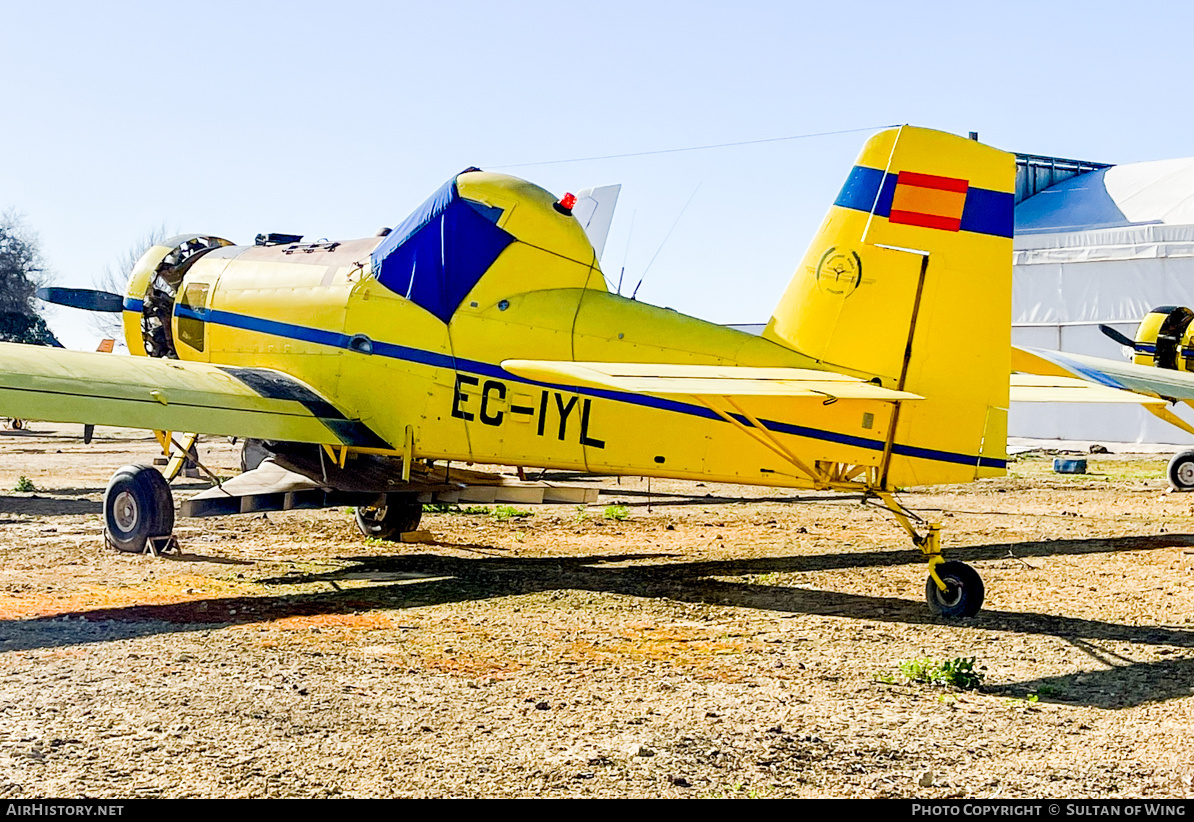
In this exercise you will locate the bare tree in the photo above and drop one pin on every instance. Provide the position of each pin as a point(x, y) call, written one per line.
point(22, 269)
point(115, 277)
point(22, 272)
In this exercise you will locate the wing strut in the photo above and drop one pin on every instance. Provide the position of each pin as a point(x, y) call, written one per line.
point(1170, 417)
point(760, 433)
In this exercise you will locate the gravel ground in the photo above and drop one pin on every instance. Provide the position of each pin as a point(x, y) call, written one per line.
point(720, 641)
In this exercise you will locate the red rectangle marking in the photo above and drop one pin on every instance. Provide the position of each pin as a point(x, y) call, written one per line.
point(912, 178)
point(925, 220)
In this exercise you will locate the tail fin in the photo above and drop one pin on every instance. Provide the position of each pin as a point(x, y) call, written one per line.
point(909, 281)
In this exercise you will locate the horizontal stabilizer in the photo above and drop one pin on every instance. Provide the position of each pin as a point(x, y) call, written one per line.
point(696, 380)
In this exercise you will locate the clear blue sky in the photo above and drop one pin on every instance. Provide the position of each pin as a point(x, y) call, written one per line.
point(334, 119)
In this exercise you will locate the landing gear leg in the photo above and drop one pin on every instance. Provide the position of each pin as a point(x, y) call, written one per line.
point(953, 589)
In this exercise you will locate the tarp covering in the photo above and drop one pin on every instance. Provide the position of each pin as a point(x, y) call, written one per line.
point(1134, 194)
point(1103, 247)
point(436, 256)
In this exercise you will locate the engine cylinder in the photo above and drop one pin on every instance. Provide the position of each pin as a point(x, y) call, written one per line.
point(153, 287)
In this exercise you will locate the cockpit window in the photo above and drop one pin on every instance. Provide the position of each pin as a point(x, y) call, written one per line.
point(436, 256)
point(192, 313)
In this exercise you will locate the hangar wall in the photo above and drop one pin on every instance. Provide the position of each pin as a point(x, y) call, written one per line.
point(1104, 246)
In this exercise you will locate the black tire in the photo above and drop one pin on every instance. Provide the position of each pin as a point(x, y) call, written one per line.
point(1181, 471)
point(963, 596)
point(164, 502)
point(400, 514)
point(138, 505)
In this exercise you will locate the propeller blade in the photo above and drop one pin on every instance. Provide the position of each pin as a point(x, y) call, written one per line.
point(1118, 336)
point(87, 299)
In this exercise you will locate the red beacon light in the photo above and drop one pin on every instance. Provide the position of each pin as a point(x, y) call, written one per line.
point(564, 204)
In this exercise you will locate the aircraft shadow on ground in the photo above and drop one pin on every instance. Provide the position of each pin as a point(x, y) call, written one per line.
point(430, 579)
point(64, 502)
point(1123, 685)
point(43, 506)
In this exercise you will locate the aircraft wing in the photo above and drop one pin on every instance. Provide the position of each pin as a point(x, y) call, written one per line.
point(1035, 388)
point(1151, 387)
point(56, 385)
point(1156, 382)
point(696, 380)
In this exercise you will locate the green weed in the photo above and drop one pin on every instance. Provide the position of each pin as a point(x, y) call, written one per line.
point(24, 484)
point(616, 512)
point(452, 508)
point(502, 513)
point(1028, 701)
point(960, 672)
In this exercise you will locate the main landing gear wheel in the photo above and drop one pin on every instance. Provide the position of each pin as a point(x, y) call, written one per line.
point(137, 505)
point(390, 521)
point(1181, 471)
point(963, 594)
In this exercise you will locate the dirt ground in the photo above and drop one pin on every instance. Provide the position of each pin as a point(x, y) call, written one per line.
point(719, 641)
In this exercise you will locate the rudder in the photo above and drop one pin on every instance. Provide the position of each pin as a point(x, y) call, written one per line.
point(908, 282)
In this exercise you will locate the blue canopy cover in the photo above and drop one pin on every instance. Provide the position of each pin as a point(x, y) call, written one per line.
point(436, 256)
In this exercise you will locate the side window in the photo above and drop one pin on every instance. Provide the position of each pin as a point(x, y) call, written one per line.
point(192, 311)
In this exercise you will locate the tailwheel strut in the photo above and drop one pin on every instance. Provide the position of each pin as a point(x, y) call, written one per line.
point(953, 589)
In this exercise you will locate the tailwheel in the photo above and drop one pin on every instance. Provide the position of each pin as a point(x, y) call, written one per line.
point(400, 514)
point(954, 589)
point(138, 507)
point(963, 594)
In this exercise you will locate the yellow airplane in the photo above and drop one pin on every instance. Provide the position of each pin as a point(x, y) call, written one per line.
point(481, 330)
point(1161, 372)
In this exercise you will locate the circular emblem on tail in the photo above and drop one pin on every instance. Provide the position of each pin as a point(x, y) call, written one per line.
point(839, 272)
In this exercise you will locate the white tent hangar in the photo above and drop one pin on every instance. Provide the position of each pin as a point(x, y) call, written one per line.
point(1106, 245)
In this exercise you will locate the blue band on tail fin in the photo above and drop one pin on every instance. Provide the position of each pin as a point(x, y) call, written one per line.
point(872, 190)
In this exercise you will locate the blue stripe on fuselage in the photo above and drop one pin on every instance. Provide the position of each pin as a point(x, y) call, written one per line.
point(437, 360)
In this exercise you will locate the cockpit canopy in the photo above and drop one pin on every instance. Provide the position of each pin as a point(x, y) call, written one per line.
point(436, 256)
